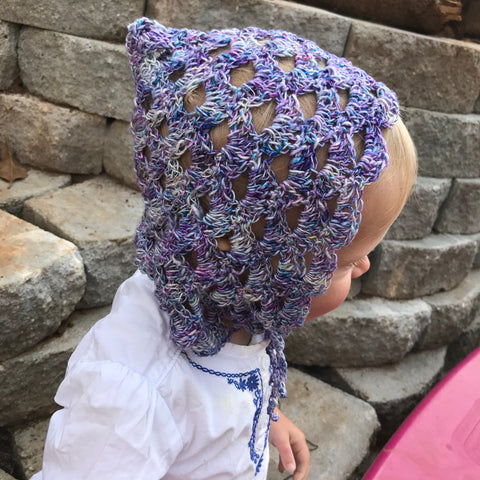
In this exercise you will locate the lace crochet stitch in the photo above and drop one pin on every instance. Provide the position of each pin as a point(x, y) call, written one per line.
point(215, 250)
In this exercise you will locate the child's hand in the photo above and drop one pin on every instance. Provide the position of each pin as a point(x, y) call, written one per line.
point(292, 447)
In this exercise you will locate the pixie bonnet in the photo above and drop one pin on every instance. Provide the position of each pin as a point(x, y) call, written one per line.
point(240, 229)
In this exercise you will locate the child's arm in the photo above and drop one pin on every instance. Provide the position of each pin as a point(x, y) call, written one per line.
point(292, 447)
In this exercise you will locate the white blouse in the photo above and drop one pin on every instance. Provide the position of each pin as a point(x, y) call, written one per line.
point(136, 407)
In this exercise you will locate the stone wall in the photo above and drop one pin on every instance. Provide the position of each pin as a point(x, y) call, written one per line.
point(66, 230)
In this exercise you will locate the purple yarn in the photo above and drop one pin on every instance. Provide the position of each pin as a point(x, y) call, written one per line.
point(196, 282)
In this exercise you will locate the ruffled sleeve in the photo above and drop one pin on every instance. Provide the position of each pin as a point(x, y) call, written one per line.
point(114, 425)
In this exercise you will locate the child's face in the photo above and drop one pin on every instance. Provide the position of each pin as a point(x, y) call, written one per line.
point(383, 201)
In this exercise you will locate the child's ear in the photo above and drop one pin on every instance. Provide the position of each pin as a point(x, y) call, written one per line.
point(146, 36)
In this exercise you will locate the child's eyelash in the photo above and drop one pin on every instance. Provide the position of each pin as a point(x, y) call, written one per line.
point(358, 262)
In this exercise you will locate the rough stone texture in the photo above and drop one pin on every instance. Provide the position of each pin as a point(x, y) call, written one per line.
point(9, 462)
point(328, 30)
point(420, 212)
point(8, 54)
point(5, 476)
point(29, 442)
point(471, 19)
point(36, 183)
point(88, 74)
point(100, 217)
point(89, 18)
point(394, 390)
point(41, 281)
point(57, 138)
point(339, 427)
point(464, 344)
point(447, 144)
point(461, 211)
point(118, 154)
point(476, 261)
point(359, 333)
point(425, 16)
point(452, 312)
point(432, 73)
point(29, 381)
point(413, 268)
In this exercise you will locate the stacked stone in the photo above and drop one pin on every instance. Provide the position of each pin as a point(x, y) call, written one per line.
point(65, 102)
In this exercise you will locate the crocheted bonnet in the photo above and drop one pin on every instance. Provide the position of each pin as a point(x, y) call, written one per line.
point(226, 234)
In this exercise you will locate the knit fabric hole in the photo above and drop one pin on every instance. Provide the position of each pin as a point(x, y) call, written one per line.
point(147, 154)
point(263, 41)
point(293, 216)
point(321, 155)
point(359, 144)
point(163, 182)
point(258, 228)
point(240, 185)
point(263, 115)
point(274, 263)
point(147, 102)
point(187, 305)
point(185, 161)
point(218, 51)
point(308, 104)
point(243, 277)
point(343, 97)
point(219, 134)
point(163, 128)
point(308, 258)
point(205, 203)
point(242, 74)
point(279, 166)
point(177, 74)
point(191, 258)
point(195, 98)
point(224, 243)
point(321, 62)
point(332, 205)
point(287, 64)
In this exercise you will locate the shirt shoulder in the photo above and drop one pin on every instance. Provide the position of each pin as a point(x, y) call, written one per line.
point(135, 334)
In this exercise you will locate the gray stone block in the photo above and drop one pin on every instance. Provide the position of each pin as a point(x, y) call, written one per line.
point(328, 30)
point(476, 261)
point(5, 476)
point(461, 211)
point(339, 428)
point(447, 144)
point(35, 184)
point(100, 217)
point(89, 18)
point(118, 154)
point(8, 54)
point(414, 268)
point(91, 75)
point(57, 138)
point(29, 381)
point(41, 281)
point(359, 333)
point(394, 390)
point(29, 443)
point(426, 72)
point(464, 344)
point(452, 312)
point(420, 212)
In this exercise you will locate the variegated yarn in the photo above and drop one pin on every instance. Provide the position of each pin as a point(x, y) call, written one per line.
point(218, 252)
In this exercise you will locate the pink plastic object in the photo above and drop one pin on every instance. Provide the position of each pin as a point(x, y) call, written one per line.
point(440, 440)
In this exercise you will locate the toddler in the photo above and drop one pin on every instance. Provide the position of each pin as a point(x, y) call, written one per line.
point(254, 151)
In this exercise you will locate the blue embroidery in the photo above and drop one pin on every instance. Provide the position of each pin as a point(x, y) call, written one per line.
point(251, 381)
